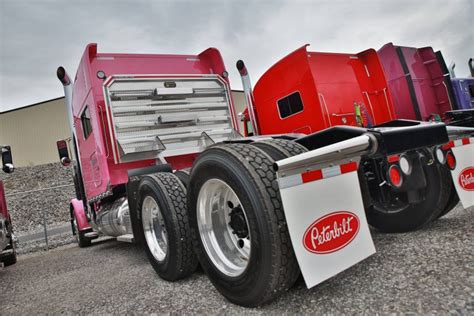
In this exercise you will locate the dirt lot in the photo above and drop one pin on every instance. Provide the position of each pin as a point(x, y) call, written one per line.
point(428, 271)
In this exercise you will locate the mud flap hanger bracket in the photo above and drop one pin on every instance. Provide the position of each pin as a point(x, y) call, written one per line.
point(351, 143)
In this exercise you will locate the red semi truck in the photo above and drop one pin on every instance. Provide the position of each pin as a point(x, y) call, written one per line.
point(328, 89)
point(158, 159)
point(7, 239)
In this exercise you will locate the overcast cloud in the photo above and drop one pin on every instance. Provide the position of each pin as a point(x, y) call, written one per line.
point(37, 36)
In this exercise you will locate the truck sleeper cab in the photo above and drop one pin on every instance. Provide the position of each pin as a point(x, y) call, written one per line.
point(7, 238)
point(153, 117)
point(422, 87)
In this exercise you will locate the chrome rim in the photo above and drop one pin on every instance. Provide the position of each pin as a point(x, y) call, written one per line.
point(154, 228)
point(223, 227)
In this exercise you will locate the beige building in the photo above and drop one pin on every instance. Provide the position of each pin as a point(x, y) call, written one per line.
point(32, 131)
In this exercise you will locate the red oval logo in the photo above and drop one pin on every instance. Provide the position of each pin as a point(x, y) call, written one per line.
point(466, 179)
point(331, 232)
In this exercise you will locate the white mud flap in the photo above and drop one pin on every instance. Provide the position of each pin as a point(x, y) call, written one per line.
point(463, 174)
point(326, 220)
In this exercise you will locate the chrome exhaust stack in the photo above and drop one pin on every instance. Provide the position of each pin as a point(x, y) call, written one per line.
point(67, 85)
point(451, 70)
point(244, 75)
point(471, 67)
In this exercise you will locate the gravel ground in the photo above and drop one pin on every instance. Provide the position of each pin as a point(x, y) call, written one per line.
point(55, 241)
point(33, 192)
point(426, 272)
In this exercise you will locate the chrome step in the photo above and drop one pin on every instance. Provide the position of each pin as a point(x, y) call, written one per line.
point(91, 235)
point(126, 238)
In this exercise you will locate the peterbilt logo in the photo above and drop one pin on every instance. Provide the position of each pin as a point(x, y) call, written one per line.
point(466, 179)
point(331, 232)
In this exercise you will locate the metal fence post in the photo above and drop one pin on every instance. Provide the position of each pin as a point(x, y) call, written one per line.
point(45, 225)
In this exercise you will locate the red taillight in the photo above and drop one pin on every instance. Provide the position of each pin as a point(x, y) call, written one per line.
point(450, 160)
point(395, 176)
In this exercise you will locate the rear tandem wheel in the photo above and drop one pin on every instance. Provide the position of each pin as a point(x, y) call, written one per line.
point(235, 208)
point(164, 227)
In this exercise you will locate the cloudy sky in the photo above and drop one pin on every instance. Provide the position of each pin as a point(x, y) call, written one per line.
point(36, 36)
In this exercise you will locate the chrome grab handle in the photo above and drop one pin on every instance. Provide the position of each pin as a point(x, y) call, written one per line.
point(343, 114)
point(388, 105)
point(447, 92)
point(321, 96)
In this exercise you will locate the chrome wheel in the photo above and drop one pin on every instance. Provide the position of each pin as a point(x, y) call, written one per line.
point(154, 228)
point(223, 227)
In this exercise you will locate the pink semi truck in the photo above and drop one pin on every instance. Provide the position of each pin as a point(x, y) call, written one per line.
point(159, 160)
point(7, 239)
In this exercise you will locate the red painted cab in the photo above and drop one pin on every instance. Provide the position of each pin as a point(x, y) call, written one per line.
point(309, 91)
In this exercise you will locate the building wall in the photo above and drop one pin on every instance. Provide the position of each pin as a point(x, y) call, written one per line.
point(32, 131)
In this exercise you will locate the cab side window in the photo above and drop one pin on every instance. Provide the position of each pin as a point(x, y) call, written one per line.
point(86, 123)
point(290, 105)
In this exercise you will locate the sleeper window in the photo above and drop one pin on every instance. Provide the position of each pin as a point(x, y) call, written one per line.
point(290, 105)
point(86, 123)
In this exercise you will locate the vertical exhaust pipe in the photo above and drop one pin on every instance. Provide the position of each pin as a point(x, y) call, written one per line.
point(244, 75)
point(471, 67)
point(451, 70)
point(67, 85)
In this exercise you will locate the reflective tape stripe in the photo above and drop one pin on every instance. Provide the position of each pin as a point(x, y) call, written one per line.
point(448, 145)
point(349, 167)
point(331, 172)
point(315, 175)
point(311, 176)
point(458, 143)
point(290, 181)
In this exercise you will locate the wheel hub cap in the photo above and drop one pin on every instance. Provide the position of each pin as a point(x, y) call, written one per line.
point(223, 227)
point(154, 228)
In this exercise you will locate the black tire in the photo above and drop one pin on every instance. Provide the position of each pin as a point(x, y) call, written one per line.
point(453, 200)
point(81, 240)
point(414, 216)
point(183, 176)
point(170, 195)
point(10, 259)
point(280, 148)
point(272, 267)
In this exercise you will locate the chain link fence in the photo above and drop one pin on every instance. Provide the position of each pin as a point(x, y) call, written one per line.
point(38, 201)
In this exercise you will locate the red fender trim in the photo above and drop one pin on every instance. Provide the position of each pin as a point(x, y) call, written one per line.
point(78, 208)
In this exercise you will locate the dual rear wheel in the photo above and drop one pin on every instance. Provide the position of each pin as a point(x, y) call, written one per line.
point(163, 226)
point(235, 221)
point(235, 210)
